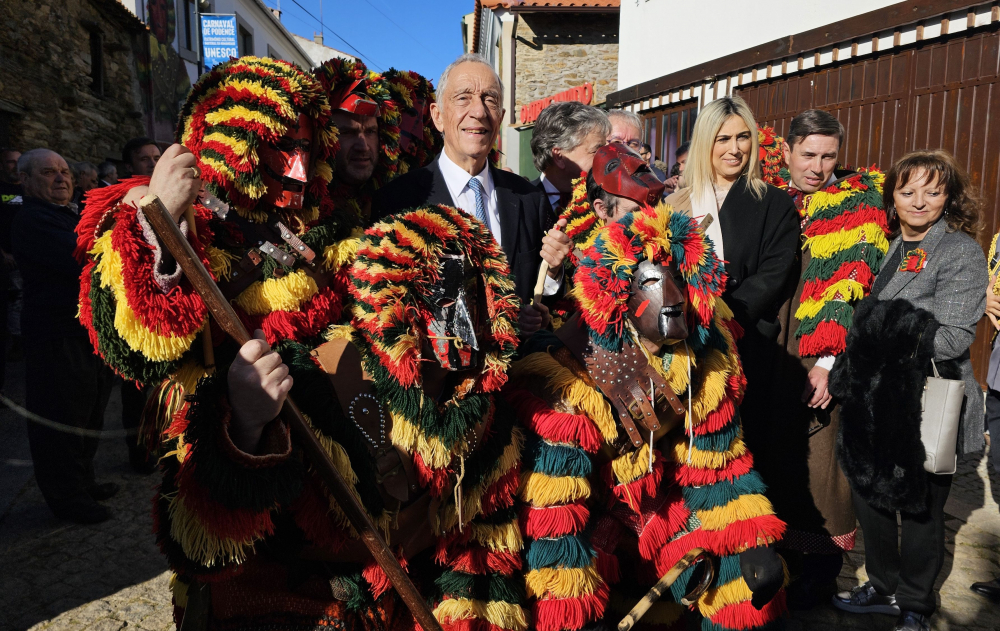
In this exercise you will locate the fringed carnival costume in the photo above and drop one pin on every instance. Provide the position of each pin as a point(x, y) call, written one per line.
point(844, 241)
point(275, 253)
point(352, 88)
point(432, 281)
point(419, 140)
point(252, 539)
point(606, 513)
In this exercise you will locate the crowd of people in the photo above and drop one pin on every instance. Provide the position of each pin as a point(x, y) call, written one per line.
point(544, 393)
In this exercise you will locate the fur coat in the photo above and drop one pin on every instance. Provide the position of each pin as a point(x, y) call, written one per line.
point(879, 380)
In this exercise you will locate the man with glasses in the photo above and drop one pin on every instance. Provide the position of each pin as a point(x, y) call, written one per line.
point(626, 128)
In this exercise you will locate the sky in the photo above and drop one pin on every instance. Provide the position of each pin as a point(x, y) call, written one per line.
point(420, 35)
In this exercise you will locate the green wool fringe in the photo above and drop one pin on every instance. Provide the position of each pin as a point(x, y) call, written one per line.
point(824, 269)
point(834, 311)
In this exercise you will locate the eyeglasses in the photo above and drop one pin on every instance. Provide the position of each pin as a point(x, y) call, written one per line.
point(634, 145)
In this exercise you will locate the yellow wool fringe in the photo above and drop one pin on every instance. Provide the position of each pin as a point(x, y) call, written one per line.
point(825, 246)
point(221, 261)
point(543, 490)
point(743, 507)
point(151, 344)
point(709, 459)
point(338, 254)
point(472, 501)
point(571, 389)
point(412, 439)
point(499, 613)
point(550, 582)
point(731, 593)
point(198, 544)
point(631, 467)
point(498, 537)
point(287, 293)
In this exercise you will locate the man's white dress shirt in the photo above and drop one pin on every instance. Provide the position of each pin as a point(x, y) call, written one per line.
point(457, 180)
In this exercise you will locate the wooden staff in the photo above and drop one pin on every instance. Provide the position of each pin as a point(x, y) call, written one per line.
point(166, 229)
point(543, 271)
point(664, 584)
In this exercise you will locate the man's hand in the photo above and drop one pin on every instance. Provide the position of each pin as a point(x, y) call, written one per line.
point(556, 246)
point(258, 385)
point(670, 184)
point(533, 317)
point(176, 180)
point(993, 304)
point(817, 392)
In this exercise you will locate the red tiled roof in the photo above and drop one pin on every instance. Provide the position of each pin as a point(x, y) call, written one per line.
point(552, 4)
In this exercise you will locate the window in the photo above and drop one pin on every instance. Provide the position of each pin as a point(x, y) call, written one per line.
point(96, 63)
point(246, 41)
point(272, 53)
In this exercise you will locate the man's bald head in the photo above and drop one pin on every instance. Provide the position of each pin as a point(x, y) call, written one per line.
point(45, 175)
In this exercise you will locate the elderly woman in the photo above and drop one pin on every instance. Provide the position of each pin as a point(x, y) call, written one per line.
point(924, 305)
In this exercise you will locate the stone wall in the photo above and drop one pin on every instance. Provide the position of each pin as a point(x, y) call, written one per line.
point(46, 98)
point(556, 51)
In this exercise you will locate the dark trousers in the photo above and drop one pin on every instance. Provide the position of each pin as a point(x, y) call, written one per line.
point(993, 424)
point(909, 565)
point(66, 383)
point(133, 403)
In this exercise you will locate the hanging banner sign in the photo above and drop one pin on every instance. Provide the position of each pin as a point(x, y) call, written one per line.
point(218, 39)
point(582, 93)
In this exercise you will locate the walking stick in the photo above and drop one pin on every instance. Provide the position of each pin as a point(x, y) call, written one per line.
point(166, 229)
point(661, 587)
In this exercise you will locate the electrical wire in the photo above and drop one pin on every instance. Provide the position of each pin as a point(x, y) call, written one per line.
point(335, 34)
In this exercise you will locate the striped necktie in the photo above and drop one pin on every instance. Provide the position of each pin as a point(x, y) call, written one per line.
point(477, 188)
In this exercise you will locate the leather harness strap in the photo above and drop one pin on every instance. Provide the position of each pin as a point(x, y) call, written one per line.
point(627, 380)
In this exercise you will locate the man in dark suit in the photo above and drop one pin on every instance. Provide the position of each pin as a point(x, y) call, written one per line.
point(468, 112)
point(567, 135)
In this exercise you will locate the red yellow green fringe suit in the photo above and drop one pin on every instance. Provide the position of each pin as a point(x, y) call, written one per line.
point(336, 75)
point(236, 522)
point(601, 529)
point(844, 242)
point(419, 140)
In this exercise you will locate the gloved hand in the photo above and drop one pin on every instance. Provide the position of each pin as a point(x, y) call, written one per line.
point(763, 572)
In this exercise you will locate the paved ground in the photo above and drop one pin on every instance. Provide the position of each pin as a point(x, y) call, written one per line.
point(59, 576)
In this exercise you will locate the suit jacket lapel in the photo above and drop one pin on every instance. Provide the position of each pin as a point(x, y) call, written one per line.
point(901, 279)
point(439, 193)
point(508, 207)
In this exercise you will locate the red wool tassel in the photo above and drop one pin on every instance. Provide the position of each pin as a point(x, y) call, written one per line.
point(717, 418)
point(692, 476)
point(554, 521)
point(378, 579)
point(829, 338)
point(311, 511)
point(665, 523)
point(671, 553)
point(634, 493)
point(503, 492)
point(743, 534)
point(557, 427)
point(217, 520)
point(434, 480)
point(556, 614)
point(856, 270)
point(743, 615)
point(99, 202)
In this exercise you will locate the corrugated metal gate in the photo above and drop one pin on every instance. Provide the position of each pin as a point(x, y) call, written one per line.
point(943, 94)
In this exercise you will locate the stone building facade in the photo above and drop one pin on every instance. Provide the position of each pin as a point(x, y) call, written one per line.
point(68, 77)
point(540, 49)
point(557, 51)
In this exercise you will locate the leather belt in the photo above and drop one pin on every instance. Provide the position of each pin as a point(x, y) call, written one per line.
point(634, 387)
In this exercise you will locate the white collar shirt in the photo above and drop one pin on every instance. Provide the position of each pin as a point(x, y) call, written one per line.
point(464, 198)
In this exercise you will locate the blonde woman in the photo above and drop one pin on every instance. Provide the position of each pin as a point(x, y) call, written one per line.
point(754, 225)
point(755, 229)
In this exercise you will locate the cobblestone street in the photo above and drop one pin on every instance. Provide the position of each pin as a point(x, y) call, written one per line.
point(59, 576)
